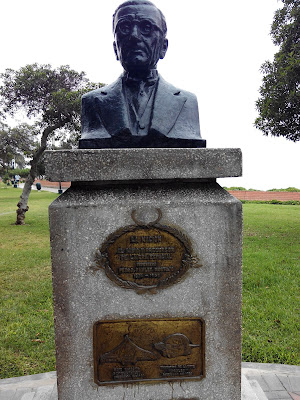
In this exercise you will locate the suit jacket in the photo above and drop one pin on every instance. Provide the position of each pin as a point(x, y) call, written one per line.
point(175, 113)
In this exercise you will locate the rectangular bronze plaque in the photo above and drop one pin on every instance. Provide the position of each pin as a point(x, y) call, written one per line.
point(148, 350)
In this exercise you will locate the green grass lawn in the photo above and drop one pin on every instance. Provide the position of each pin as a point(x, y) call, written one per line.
point(271, 280)
point(26, 315)
point(271, 283)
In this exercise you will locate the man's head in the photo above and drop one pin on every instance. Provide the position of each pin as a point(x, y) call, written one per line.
point(140, 35)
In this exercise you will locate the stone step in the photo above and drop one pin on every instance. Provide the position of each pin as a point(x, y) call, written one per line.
point(41, 387)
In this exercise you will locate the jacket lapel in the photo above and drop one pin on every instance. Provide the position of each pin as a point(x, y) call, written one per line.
point(168, 104)
point(113, 108)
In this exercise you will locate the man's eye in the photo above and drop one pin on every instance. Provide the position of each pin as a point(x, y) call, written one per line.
point(145, 27)
point(125, 27)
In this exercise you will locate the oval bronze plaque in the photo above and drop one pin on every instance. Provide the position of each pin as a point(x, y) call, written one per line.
point(146, 257)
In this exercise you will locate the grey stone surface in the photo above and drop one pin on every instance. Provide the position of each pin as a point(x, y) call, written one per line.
point(274, 379)
point(21, 392)
point(263, 384)
point(250, 386)
point(279, 395)
point(80, 221)
point(250, 392)
point(7, 394)
point(295, 383)
point(30, 381)
point(266, 368)
point(256, 389)
point(284, 379)
point(142, 164)
point(43, 393)
point(27, 396)
point(51, 394)
point(273, 382)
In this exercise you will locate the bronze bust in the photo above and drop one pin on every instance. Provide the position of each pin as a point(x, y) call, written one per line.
point(140, 109)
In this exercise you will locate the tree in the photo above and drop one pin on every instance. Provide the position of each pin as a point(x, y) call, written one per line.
point(279, 104)
point(15, 143)
point(52, 98)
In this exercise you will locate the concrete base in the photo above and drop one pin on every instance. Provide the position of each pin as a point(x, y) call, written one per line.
point(43, 387)
point(80, 221)
point(107, 185)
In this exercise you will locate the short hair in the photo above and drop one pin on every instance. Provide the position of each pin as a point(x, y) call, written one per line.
point(136, 3)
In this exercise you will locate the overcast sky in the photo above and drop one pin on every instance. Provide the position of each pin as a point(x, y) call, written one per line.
point(215, 50)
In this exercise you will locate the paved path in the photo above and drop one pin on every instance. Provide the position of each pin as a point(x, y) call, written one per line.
point(48, 189)
point(276, 381)
point(259, 382)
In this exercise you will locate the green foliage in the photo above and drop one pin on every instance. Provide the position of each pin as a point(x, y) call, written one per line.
point(6, 178)
point(52, 95)
point(289, 189)
point(53, 98)
point(284, 203)
point(15, 143)
point(18, 171)
point(235, 188)
point(279, 104)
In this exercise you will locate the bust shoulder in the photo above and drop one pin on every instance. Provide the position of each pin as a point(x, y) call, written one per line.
point(176, 91)
point(103, 91)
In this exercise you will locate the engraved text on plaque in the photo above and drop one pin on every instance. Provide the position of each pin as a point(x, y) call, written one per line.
point(146, 257)
point(148, 350)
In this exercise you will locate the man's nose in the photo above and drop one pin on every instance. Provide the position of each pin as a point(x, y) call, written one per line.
point(135, 33)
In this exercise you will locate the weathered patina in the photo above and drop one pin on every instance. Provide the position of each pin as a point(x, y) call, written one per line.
point(140, 109)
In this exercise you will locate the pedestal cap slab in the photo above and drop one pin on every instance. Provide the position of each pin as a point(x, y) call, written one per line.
point(115, 165)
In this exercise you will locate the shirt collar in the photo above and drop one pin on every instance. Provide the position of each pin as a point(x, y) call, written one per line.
point(150, 79)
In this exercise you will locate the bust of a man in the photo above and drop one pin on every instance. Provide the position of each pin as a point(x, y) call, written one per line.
point(140, 109)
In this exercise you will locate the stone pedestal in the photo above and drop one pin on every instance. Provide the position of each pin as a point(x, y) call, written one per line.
point(180, 339)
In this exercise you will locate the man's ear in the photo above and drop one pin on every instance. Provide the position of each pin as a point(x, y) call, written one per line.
point(164, 49)
point(115, 49)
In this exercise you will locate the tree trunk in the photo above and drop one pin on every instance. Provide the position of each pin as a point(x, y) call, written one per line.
point(23, 202)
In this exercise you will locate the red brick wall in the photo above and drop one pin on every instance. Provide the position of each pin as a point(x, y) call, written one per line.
point(64, 185)
point(239, 194)
point(265, 196)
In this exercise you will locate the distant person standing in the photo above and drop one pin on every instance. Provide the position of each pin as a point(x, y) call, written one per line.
point(17, 179)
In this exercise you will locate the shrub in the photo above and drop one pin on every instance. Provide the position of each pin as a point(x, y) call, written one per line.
point(18, 171)
point(289, 189)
